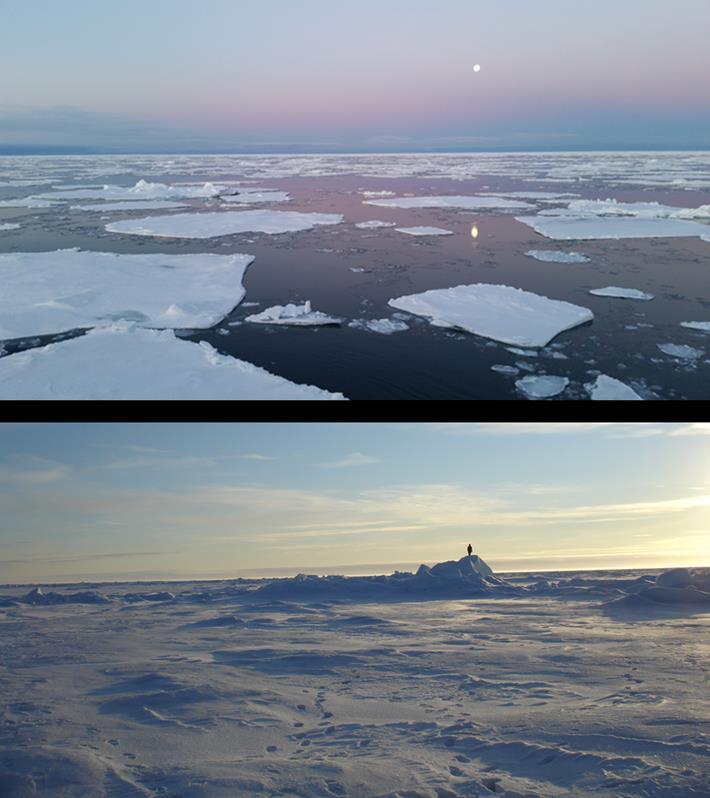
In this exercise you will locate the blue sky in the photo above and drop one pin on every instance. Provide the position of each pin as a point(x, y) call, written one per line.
point(124, 501)
point(217, 74)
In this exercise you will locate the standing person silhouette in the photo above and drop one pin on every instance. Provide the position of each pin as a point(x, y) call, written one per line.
point(470, 549)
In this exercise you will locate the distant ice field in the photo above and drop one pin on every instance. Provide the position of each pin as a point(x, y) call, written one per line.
point(328, 230)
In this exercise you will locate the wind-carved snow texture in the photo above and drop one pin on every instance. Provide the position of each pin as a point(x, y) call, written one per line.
point(582, 685)
point(457, 202)
point(294, 316)
point(499, 312)
point(606, 388)
point(52, 292)
point(614, 292)
point(215, 225)
point(128, 363)
point(552, 256)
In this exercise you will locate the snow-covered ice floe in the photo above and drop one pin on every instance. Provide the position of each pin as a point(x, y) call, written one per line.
point(254, 197)
point(552, 256)
point(542, 386)
point(607, 389)
point(500, 312)
point(533, 195)
point(702, 326)
point(294, 316)
point(381, 326)
point(377, 193)
point(456, 202)
point(8, 226)
point(125, 362)
point(142, 190)
point(614, 292)
point(214, 225)
point(149, 205)
point(374, 225)
point(424, 231)
point(28, 202)
point(562, 228)
point(681, 351)
point(51, 292)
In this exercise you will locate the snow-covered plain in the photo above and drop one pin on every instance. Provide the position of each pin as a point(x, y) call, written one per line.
point(448, 683)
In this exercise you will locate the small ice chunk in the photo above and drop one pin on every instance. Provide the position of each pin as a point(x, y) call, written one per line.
point(622, 293)
point(295, 316)
point(124, 362)
point(355, 270)
point(500, 312)
point(681, 351)
point(254, 197)
point(607, 389)
point(462, 203)
point(550, 256)
point(703, 326)
point(214, 225)
point(542, 386)
point(508, 371)
point(374, 225)
point(377, 193)
point(8, 226)
point(424, 231)
point(381, 326)
point(151, 205)
point(523, 352)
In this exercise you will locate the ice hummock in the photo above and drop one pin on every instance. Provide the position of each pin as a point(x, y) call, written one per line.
point(606, 389)
point(681, 351)
point(470, 203)
point(214, 225)
point(125, 362)
point(499, 312)
point(614, 292)
point(552, 256)
point(424, 231)
point(52, 292)
point(294, 316)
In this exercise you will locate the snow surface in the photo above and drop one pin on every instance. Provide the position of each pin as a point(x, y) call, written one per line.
point(622, 293)
point(51, 292)
point(214, 225)
point(8, 226)
point(587, 685)
point(500, 312)
point(703, 326)
point(607, 389)
point(552, 256)
point(459, 202)
point(424, 231)
point(587, 228)
point(149, 205)
point(681, 351)
point(374, 225)
point(381, 326)
point(294, 316)
point(542, 386)
point(125, 362)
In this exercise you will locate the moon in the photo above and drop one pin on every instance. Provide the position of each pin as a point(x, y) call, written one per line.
point(477, 68)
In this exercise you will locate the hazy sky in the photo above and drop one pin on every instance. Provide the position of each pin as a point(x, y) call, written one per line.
point(354, 74)
point(121, 501)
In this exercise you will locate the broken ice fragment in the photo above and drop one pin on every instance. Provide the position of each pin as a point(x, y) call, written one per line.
point(424, 231)
point(374, 225)
point(703, 326)
point(551, 256)
point(681, 351)
point(622, 293)
point(607, 389)
point(381, 326)
point(542, 387)
point(295, 316)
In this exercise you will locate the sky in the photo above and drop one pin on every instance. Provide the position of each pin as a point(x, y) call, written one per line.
point(124, 501)
point(219, 75)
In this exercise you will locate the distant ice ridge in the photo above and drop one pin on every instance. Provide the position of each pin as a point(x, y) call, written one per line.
point(424, 231)
point(294, 316)
point(552, 256)
point(499, 312)
point(214, 225)
point(458, 202)
point(8, 226)
point(125, 362)
point(607, 389)
point(150, 205)
point(622, 293)
point(51, 292)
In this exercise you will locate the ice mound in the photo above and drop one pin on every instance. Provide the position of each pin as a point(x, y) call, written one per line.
point(127, 362)
point(582, 228)
point(51, 292)
point(141, 190)
point(214, 225)
point(542, 386)
point(424, 231)
point(551, 256)
point(702, 326)
point(681, 351)
point(8, 226)
point(374, 225)
point(622, 293)
point(150, 205)
point(677, 586)
point(38, 597)
point(457, 202)
point(253, 196)
point(294, 316)
point(500, 312)
point(608, 389)
point(380, 326)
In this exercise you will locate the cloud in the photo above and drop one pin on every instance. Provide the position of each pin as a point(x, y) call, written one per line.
point(355, 459)
point(33, 470)
point(698, 428)
point(162, 462)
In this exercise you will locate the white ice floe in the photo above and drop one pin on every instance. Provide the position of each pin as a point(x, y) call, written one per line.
point(607, 389)
point(702, 326)
point(8, 226)
point(214, 225)
point(51, 292)
point(377, 193)
point(507, 371)
point(641, 210)
point(705, 238)
point(622, 293)
point(254, 197)
point(424, 231)
point(499, 312)
point(551, 256)
point(374, 225)
point(141, 191)
point(381, 326)
point(533, 195)
point(124, 362)
point(681, 351)
point(28, 202)
point(294, 316)
point(569, 228)
point(149, 205)
point(542, 386)
point(458, 202)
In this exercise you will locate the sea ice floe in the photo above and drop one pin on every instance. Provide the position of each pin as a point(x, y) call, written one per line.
point(500, 312)
point(703, 326)
point(458, 202)
point(5, 227)
point(551, 256)
point(681, 351)
point(381, 326)
point(150, 205)
point(124, 362)
point(508, 371)
point(377, 193)
point(542, 386)
point(608, 389)
point(424, 231)
point(214, 225)
point(51, 292)
point(569, 228)
point(642, 210)
point(28, 202)
point(533, 195)
point(254, 197)
point(141, 191)
point(294, 316)
point(374, 225)
point(622, 293)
